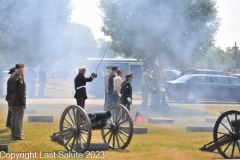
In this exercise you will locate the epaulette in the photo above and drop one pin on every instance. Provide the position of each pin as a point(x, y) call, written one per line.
point(126, 84)
point(20, 78)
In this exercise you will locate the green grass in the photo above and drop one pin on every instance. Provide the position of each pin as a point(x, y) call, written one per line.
point(162, 141)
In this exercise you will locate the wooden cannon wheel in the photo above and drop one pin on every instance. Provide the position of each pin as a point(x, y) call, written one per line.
point(75, 129)
point(119, 129)
point(226, 134)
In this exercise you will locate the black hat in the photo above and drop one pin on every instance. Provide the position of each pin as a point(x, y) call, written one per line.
point(114, 68)
point(11, 70)
point(18, 66)
point(128, 75)
point(109, 67)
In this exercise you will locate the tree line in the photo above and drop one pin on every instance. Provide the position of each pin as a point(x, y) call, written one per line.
point(180, 33)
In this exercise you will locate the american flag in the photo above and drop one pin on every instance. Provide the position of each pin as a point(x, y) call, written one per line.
point(138, 118)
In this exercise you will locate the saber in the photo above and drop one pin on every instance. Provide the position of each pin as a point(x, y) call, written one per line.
point(102, 58)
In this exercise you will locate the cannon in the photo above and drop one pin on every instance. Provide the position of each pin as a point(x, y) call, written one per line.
point(226, 135)
point(76, 125)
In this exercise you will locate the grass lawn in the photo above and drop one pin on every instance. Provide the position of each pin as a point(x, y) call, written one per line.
point(169, 141)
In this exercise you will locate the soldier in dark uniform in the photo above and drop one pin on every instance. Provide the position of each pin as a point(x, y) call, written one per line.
point(31, 78)
point(1, 82)
point(11, 72)
point(80, 86)
point(17, 101)
point(106, 78)
point(110, 86)
point(126, 98)
point(42, 80)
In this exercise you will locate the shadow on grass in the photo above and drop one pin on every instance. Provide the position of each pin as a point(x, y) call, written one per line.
point(3, 131)
point(175, 111)
point(6, 139)
point(119, 150)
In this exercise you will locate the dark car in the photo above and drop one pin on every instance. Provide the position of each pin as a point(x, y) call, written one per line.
point(236, 75)
point(195, 86)
point(171, 74)
point(201, 71)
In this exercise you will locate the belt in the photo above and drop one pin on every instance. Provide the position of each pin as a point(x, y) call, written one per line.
point(81, 87)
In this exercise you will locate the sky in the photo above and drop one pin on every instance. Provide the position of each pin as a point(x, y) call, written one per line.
point(87, 13)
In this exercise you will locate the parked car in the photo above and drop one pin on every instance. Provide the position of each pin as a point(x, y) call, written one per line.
point(194, 86)
point(201, 71)
point(236, 75)
point(171, 74)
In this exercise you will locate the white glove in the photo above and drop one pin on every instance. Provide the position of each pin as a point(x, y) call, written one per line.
point(129, 99)
point(94, 72)
point(119, 95)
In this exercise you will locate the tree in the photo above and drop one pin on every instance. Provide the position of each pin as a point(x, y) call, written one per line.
point(40, 31)
point(102, 46)
point(177, 32)
point(218, 59)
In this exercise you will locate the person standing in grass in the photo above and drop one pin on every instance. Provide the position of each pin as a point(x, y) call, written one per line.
point(11, 72)
point(117, 84)
point(126, 91)
point(17, 101)
point(1, 82)
point(80, 85)
point(106, 83)
point(110, 85)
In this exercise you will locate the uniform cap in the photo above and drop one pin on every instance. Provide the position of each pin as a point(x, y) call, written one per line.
point(119, 71)
point(128, 75)
point(18, 66)
point(11, 70)
point(114, 68)
point(109, 67)
point(82, 68)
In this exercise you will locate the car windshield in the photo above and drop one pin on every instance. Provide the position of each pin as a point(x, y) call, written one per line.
point(235, 81)
point(235, 75)
point(183, 78)
point(177, 72)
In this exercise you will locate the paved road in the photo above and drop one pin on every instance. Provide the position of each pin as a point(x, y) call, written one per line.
point(64, 101)
point(93, 101)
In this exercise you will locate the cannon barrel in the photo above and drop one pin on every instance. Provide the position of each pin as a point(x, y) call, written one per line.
point(100, 115)
point(99, 119)
point(234, 124)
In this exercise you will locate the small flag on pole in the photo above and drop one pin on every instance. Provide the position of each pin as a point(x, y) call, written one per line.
point(138, 118)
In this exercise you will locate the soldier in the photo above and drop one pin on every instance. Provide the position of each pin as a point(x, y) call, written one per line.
point(110, 86)
point(117, 85)
point(126, 98)
point(80, 85)
point(31, 78)
point(42, 80)
point(106, 78)
point(17, 101)
point(11, 72)
point(146, 86)
point(155, 87)
point(1, 82)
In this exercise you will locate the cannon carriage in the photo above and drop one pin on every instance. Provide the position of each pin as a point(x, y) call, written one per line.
point(76, 126)
point(226, 135)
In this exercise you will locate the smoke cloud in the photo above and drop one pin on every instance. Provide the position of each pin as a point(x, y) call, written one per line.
point(40, 32)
